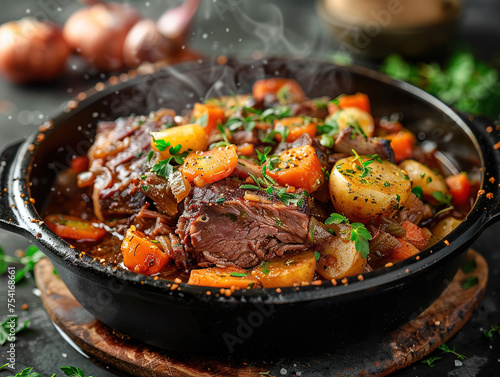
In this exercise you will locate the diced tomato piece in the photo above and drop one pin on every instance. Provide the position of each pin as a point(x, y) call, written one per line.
point(460, 188)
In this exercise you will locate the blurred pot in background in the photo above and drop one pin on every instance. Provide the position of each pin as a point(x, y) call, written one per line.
point(377, 28)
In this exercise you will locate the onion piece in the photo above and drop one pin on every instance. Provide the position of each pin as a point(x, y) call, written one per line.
point(98, 33)
point(144, 43)
point(179, 185)
point(174, 23)
point(32, 51)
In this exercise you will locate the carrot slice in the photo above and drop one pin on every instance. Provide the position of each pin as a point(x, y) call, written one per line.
point(358, 100)
point(285, 90)
point(208, 116)
point(416, 235)
point(79, 164)
point(296, 126)
point(404, 251)
point(403, 144)
point(140, 254)
point(460, 188)
point(299, 167)
point(228, 277)
point(73, 227)
point(210, 166)
point(246, 149)
point(191, 137)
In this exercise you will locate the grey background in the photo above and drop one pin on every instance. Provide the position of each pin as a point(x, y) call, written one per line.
point(278, 27)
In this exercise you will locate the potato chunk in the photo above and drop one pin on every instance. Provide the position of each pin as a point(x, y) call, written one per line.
point(340, 258)
point(445, 226)
point(353, 117)
point(360, 193)
point(425, 177)
point(287, 271)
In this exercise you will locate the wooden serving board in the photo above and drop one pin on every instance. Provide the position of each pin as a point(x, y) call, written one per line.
point(382, 356)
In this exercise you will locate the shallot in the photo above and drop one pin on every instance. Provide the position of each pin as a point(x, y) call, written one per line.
point(98, 33)
point(32, 51)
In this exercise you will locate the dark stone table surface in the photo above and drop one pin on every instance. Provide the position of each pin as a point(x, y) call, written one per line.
point(289, 27)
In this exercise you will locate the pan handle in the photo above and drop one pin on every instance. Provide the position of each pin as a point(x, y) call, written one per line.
point(488, 136)
point(8, 219)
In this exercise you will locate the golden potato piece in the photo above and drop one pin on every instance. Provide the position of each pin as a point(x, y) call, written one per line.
point(424, 177)
point(287, 271)
point(340, 258)
point(353, 117)
point(360, 193)
point(444, 227)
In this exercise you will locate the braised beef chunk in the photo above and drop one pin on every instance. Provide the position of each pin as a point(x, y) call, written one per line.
point(116, 162)
point(349, 139)
point(224, 225)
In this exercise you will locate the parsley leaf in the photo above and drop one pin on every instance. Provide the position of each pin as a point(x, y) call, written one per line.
point(470, 282)
point(336, 218)
point(489, 333)
point(72, 371)
point(442, 198)
point(7, 325)
point(431, 360)
point(417, 190)
point(446, 349)
point(31, 257)
point(469, 266)
point(239, 274)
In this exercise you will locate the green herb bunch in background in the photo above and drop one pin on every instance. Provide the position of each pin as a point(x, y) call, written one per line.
point(463, 82)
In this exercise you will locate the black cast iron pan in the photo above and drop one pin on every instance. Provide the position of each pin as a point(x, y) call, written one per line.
point(260, 320)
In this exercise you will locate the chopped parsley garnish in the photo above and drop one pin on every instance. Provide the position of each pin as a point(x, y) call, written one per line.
point(329, 128)
point(264, 268)
point(359, 234)
point(317, 255)
point(363, 167)
point(263, 156)
point(164, 168)
point(231, 216)
point(442, 198)
point(266, 184)
point(239, 274)
point(327, 141)
point(387, 184)
point(417, 190)
point(279, 222)
point(220, 200)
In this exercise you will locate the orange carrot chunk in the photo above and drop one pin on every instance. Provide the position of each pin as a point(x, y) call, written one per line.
point(294, 127)
point(208, 116)
point(403, 144)
point(299, 167)
point(404, 251)
point(140, 254)
point(416, 235)
point(210, 166)
point(285, 90)
point(227, 277)
point(358, 100)
point(73, 227)
point(460, 188)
